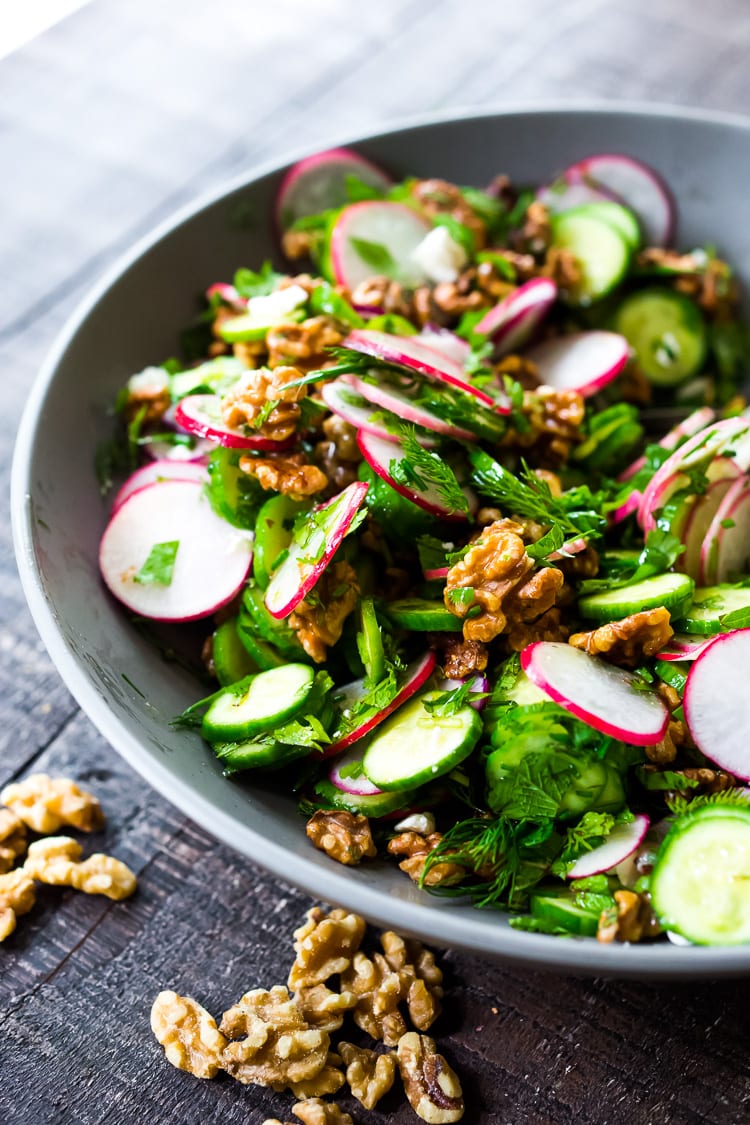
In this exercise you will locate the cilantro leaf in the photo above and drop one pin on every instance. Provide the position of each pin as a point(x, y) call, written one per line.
point(159, 566)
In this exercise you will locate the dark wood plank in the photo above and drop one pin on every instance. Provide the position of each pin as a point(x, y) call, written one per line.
point(109, 122)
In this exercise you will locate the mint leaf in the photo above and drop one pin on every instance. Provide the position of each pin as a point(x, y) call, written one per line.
point(375, 255)
point(248, 283)
point(158, 567)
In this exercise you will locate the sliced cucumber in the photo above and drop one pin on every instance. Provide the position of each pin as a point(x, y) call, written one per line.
point(268, 628)
point(415, 746)
point(615, 215)
point(601, 251)
point(667, 332)
point(370, 805)
point(370, 642)
point(674, 673)
point(261, 652)
point(700, 884)
point(215, 376)
point(673, 591)
point(233, 494)
point(423, 616)
point(264, 702)
point(232, 661)
point(246, 327)
point(273, 534)
point(560, 910)
point(236, 756)
point(710, 605)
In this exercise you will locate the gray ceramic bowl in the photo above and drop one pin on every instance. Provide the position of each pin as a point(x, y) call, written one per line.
point(132, 319)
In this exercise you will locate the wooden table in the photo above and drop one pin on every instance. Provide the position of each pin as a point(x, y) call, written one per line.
point(107, 123)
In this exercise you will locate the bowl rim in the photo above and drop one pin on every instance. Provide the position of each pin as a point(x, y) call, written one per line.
point(443, 926)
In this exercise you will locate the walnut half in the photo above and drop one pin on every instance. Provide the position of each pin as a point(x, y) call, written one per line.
point(46, 804)
point(17, 896)
point(57, 862)
point(431, 1085)
point(342, 835)
point(369, 1075)
point(188, 1034)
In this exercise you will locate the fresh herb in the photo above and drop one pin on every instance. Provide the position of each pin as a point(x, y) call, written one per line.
point(358, 190)
point(553, 540)
point(435, 554)
point(462, 596)
point(375, 255)
point(665, 779)
point(159, 566)
point(609, 438)
point(459, 232)
point(737, 619)
point(734, 798)
point(248, 283)
point(591, 831)
point(577, 512)
point(324, 300)
point(660, 552)
point(422, 468)
point(445, 704)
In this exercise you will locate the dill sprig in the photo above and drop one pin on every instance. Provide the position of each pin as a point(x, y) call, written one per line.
point(422, 468)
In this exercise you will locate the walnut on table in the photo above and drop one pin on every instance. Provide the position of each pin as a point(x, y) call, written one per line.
point(323, 1008)
point(270, 1042)
point(344, 836)
point(420, 972)
point(46, 804)
point(317, 1112)
point(324, 946)
point(329, 1080)
point(628, 641)
point(56, 861)
point(632, 920)
point(188, 1034)
point(369, 1075)
point(431, 1085)
point(17, 896)
point(379, 990)
point(12, 839)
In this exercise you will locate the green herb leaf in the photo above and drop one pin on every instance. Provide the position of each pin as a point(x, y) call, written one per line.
point(375, 255)
point(158, 567)
point(448, 703)
point(422, 468)
point(248, 283)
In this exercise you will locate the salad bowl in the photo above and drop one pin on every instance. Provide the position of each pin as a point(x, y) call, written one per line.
point(119, 676)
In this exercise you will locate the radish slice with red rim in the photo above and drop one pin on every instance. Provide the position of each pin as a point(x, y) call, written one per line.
point(436, 573)
point(636, 185)
point(392, 230)
point(683, 646)
point(384, 457)
point(228, 294)
point(155, 472)
point(569, 548)
point(410, 352)
point(622, 841)
point(312, 547)
point(697, 526)
point(393, 398)
point(201, 415)
point(691, 425)
point(717, 702)
point(319, 182)
point(207, 567)
point(570, 190)
point(583, 362)
point(355, 781)
point(598, 693)
point(410, 680)
point(513, 321)
point(725, 551)
point(341, 398)
point(446, 342)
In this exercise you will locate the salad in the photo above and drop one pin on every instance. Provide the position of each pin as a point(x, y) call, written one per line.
point(460, 506)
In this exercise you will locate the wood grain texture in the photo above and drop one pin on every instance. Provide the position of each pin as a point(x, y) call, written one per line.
point(107, 123)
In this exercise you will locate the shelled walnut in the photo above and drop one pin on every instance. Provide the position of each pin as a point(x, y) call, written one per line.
point(342, 835)
point(45, 804)
point(431, 1085)
point(12, 839)
point(188, 1034)
point(56, 860)
point(369, 1074)
point(270, 1042)
point(17, 896)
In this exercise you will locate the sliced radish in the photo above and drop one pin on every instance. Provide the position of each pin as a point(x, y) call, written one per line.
point(570, 190)
point(717, 702)
point(341, 398)
point(410, 352)
point(627, 508)
point(725, 550)
point(583, 362)
point(685, 647)
point(699, 521)
point(569, 548)
point(512, 322)
point(382, 456)
point(312, 548)
point(434, 574)
point(201, 415)
point(158, 471)
point(638, 186)
point(195, 454)
point(210, 565)
point(690, 426)
point(446, 342)
point(392, 398)
point(319, 182)
point(598, 693)
point(359, 785)
point(228, 294)
point(411, 679)
point(622, 841)
point(394, 229)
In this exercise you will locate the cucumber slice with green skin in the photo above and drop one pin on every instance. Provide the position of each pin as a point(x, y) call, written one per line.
point(673, 673)
point(370, 641)
point(600, 250)
point(700, 884)
point(673, 591)
point(423, 616)
point(710, 605)
point(265, 701)
point(231, 659)
point(399, 518)
point(415, 746)
point(273, 534)
point(246, 327)
point(560, 909)
point(264, 654)
point(372, 805)
point(667, 332)
point(621, 218)
point(269, 628)
point(233, 494)
point(215, 376)
point(237, 756)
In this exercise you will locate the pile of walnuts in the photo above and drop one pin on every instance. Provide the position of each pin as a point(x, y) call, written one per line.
point(44, 805)
point(281, 1038)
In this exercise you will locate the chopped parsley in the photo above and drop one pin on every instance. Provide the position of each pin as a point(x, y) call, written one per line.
point(159, 566)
